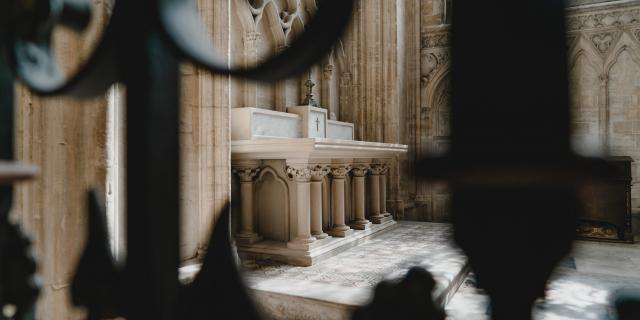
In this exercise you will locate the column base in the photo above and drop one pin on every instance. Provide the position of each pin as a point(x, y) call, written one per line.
point(386, 214)
point(378, 219)
point(320, 236)
point(301, 243)
point(248, 238)
point(361, 224)
point(341, 231)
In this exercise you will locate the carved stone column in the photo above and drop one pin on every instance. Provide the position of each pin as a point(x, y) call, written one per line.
point(359, 172)
point(247, 234)
point(317, 175)
point(301, 176)
point(375, 215)
point(338, 175)
point(383, 190)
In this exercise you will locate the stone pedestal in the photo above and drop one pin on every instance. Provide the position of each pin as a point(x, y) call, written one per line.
point(360, 222)
point(301, 215)
point(338, 175)
point(247, 234)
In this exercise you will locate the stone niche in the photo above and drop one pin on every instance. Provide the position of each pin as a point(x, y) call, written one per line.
point(307, 189)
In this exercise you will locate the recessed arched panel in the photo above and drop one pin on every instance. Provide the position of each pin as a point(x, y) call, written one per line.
point(441, 106)
point(624, 103)
point(624, 111)
point(272, 206)
point(271, 39)
point(584, 84)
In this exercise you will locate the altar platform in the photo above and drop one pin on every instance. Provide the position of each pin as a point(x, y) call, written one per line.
point(334, 287)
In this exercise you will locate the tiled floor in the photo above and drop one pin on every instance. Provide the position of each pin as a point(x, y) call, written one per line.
point(385, 256)
point(581, 289)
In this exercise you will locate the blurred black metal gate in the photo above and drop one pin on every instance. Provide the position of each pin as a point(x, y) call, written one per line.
point(510, 165)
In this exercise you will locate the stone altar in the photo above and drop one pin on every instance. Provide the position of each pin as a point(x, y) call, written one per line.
point(305, 195)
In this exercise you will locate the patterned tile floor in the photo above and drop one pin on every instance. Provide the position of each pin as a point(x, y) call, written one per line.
point(581, 288)
point(385, 256)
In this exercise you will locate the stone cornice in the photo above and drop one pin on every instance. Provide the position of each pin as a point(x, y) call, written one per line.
point(600, 19)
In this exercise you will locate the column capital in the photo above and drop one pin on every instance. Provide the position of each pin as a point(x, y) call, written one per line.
point(319, 171)
point(378, 169)
point(359, 170)
point(246, 174)
point(340, 171)
point(299, 174)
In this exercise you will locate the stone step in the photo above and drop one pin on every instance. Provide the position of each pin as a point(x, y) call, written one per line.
point(335, 287)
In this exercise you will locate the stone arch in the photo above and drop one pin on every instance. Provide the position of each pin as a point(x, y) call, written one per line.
point(296, 29)
point(585, 81)
point(272, 206)
point(270, 42)
point(439, 97)
point(626, 42)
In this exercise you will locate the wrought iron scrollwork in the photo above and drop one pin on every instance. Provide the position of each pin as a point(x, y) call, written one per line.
point(141, 47)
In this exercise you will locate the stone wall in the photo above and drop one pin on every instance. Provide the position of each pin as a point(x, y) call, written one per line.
point(603, 41)
point(66, 138)
point(604, 58)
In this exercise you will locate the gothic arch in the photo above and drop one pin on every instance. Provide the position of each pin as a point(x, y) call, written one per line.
point(625, 43)
point(582, 47)
point(439, 98)
point(272, 217)
point(586, 104)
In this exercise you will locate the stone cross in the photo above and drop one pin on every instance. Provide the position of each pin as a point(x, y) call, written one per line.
point(309, 100)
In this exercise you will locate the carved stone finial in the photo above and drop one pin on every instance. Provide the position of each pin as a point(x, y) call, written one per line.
point(246, 174)
point(298, 174)
point(340, 172)
point(360, 170)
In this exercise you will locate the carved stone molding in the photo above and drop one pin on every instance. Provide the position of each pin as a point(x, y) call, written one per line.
point(298, 173)
point(319, 171)
point(438, 39)
point(340, 172)
point(378, 169)
point(246, 174)
point(360, 170)
point(604, 41)
point(603, 19)
point(636, 34)
point(328, 71)
point(251, 37)
point(431, 62)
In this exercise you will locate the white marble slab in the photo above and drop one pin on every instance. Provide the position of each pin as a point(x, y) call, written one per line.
point(339, 130)
point(256, 123)
point(313, 148)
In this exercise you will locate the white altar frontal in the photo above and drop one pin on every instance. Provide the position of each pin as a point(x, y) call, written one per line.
point(307, 189)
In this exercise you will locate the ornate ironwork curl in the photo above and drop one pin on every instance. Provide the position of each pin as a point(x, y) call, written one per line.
point(142, 45)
